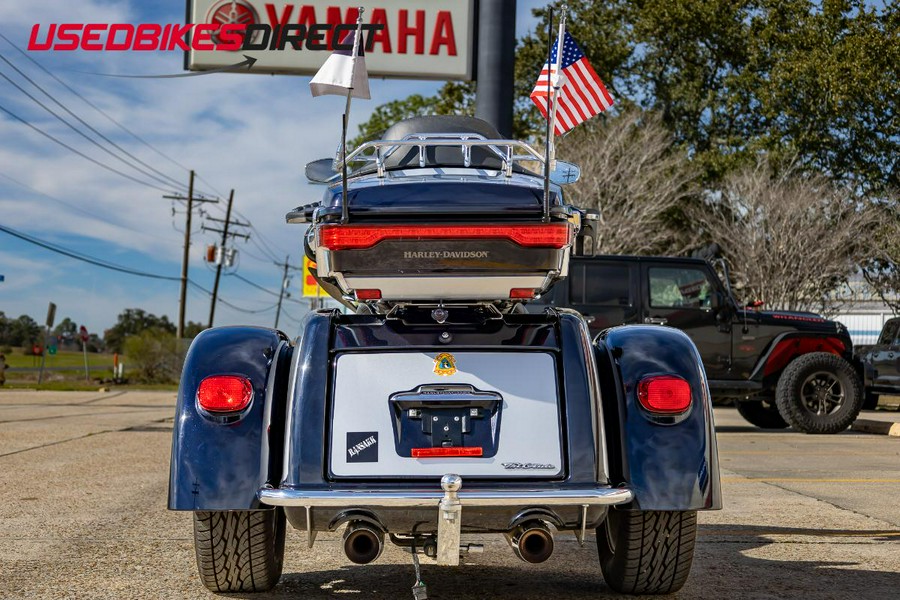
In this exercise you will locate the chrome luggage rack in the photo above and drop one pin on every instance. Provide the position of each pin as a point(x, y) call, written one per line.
point(509, 152)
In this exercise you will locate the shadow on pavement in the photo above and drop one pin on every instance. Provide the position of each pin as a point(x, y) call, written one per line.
point(724, 567)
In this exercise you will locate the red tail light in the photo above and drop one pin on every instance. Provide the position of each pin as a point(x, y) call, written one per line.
point(521, 294)
point(355, 237)
point(447, 452)
point(224, 393)
point(368, 294)
point(664, 394)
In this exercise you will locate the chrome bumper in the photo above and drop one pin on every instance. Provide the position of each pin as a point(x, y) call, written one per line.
point(595, 496)
point(449, 501)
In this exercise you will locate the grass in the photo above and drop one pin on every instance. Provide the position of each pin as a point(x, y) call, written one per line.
point(64, 358)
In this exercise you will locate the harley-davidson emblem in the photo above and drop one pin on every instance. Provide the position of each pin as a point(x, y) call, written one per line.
point(529, 466)
point(444, 364)
point(447, 254)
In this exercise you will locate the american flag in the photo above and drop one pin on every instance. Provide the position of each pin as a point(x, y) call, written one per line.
point(581, 97)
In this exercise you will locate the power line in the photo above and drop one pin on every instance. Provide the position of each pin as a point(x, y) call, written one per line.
point(81, 133)
point(80, 209)
point(114, 267)
point(162, 177)
point(248, 282)
point(97, 108)
point(78, 152)
point(83, 257)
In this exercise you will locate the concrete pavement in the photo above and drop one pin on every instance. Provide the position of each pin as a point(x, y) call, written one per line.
point(83, 480)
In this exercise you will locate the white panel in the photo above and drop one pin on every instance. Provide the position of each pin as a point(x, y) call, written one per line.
point(529, 425)
point(416, 63)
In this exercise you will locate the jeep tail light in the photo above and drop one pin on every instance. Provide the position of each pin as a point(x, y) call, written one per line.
point(224, 393)
point(447, 452)
point(521, 294)
point(368, 294)
point(664, 394)
point(356, 237)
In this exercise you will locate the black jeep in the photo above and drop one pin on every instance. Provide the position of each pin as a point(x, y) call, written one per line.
point(781, 368)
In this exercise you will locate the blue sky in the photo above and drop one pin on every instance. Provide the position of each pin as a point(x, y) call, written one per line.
point(252, 133)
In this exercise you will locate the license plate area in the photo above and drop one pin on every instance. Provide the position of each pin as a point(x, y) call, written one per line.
point(446, 416)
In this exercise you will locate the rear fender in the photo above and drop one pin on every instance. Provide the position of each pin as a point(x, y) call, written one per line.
point(670, 463)
point(789, 346)
point(219, 465)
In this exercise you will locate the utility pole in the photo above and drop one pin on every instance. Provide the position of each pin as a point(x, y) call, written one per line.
point(187, 246)
point(225, 233)
point(284, 283)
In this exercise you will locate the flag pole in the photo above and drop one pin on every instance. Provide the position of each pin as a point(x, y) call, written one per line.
point(556, 79)
point(550, 132)
point(345, 208)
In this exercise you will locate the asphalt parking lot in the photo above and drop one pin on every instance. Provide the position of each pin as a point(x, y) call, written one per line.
point(83, 496)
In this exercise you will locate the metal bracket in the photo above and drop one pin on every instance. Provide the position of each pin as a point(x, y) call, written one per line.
point(449, 521)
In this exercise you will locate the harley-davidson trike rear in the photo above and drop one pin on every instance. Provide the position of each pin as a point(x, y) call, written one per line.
point(435, 409)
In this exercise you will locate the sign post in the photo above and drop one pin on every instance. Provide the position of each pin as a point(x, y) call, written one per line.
point(84, 340)
point(51, 316)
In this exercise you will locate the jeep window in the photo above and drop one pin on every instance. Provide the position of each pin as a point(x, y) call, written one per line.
point(599, 284)
point(679, 288)
point(889, 332)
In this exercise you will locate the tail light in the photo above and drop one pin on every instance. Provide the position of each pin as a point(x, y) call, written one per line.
point(224, 393)
point(356, 237)
point(664, 394)
point(447, 452)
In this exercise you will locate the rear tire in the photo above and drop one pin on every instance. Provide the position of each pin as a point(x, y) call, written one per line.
point(646, 552)
point(819, 393)
point(239, 551)
point(761, 413)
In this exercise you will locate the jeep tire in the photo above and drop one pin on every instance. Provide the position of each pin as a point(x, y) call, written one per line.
point(646, 552)
point(762, 413)
point(819, 393)
point(239, 551)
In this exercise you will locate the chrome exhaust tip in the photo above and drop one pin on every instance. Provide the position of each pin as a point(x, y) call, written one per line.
point(531, 541)
point(363, 542)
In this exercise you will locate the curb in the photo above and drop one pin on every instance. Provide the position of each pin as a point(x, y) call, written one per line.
point(879, 427)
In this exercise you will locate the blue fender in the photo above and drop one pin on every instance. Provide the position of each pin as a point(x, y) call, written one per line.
point(671, 463)
point(220, 464)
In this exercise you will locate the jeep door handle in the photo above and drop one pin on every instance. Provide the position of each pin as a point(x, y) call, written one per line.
point(655, 320)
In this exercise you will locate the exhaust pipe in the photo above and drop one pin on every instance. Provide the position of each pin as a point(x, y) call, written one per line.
point(363, 542)
point(531, 541)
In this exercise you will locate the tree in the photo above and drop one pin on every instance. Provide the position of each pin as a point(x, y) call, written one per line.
point(882, 269)
point(153, 357)
point(816, 83)
point(789, 238)
point(23, 331)
point(637, 181)
point(133, 321)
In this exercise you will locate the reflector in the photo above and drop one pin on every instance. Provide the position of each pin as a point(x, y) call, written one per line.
point(368, 294)
point(224, 393)
point(521, 293)
point(447, 452)
point(664, 394)
point(355, 237)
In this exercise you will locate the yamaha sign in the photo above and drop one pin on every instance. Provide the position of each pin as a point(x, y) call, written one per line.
point(426, 39)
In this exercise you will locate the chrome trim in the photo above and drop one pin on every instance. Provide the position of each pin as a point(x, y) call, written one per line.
point(419, 498)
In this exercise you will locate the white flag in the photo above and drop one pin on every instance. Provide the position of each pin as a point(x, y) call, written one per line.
point(342, 74)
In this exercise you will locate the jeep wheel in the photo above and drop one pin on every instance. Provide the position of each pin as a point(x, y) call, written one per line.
point(819, 393)
point(646, 552)
point(762, 413)
point(239, 551)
